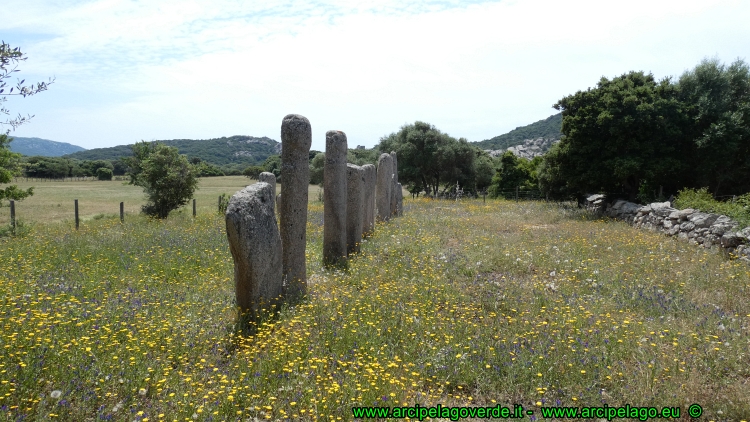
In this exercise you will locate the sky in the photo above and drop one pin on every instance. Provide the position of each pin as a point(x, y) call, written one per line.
point(129, 70)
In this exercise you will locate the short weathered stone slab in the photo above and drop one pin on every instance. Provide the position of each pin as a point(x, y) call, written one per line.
point(296, 138)
point(399, 200)
point(394, 180)
point(383, 187)
point(354, 207)
point(255, 245)
point(368, 215)
point(702, 220)
point(269, 178)
point(334, 199)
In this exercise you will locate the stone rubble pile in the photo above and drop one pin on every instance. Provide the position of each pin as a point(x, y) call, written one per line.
point(699, 228)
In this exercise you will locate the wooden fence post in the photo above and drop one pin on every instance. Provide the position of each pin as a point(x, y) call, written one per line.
point(193, 207)
point(219, 203)
point(76, 207)
point(122, 212)
point(13, 215)
point(516, 193)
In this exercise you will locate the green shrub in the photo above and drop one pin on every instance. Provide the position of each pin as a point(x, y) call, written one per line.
point(21, 230)
point(103, 173)
point(223, 203)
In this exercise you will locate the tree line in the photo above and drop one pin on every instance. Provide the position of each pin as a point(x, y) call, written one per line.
point(636, 137)
point(631, 137)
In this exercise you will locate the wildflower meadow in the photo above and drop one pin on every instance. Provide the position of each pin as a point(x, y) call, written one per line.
point(455, 303)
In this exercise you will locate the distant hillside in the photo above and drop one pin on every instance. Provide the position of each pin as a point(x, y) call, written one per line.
point(549, 128)
point(239, 149)
point(44, 147)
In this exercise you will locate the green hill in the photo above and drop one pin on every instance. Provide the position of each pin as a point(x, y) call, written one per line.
point(44, 147)
point(549, 128)
point(233, 150)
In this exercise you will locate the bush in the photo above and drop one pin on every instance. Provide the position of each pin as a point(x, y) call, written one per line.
point(253, 172)
point(103, 173)
point(166, 176)
point(223, 203)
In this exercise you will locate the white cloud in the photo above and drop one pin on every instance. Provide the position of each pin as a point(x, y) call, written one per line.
point(130, 70)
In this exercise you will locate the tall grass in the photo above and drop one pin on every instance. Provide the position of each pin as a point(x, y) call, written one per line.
point(457, 304)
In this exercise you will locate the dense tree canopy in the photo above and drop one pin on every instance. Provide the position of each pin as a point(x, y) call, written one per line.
point(430, 159)
point(716, 101)
point(514, 173)
point(619, 137)
point(633, 136)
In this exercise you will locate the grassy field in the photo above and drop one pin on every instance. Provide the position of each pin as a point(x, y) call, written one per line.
point(53, 201)
point(459, 304)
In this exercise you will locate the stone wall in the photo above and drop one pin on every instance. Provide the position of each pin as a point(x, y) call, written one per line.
point(699, 228)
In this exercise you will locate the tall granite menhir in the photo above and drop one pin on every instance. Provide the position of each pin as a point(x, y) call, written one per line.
point(383, 187)
point(296, 138)
point(368, 214)
point(355, 176)
point(334, 200)
point(256, 250)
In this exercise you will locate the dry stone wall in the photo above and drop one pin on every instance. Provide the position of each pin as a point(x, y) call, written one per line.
point(699, 228)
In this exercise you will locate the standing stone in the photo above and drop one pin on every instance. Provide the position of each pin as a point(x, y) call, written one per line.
point(384, 186)
point(334, 199)
point(296, 138)
point(354, 207)
point(368, 214)
point(394, 199)
point(269, 178)
point(256, 249)
point(399, 200)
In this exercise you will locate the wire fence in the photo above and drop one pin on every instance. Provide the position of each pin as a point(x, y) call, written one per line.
point(66, 179)
point(223, 201)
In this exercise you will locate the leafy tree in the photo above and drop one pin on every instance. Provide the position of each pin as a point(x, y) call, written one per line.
point(316, 168)
point(312, 154)
point(9, 162)
point(10, 166)
point(14, 55)
point(47, 167)
point(513, 172)
point(717, 102)
point(119, 167)
point(485, 171)
point(91, 167)
point(253, 172)
point(617, 136)
point(273, 165)
point(429, 158)
point(103, 173)
point(166, 177)
point(204, 169)
point(362, 156)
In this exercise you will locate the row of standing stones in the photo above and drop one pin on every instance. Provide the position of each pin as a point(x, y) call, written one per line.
point(269, 261)
point(699, 228)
